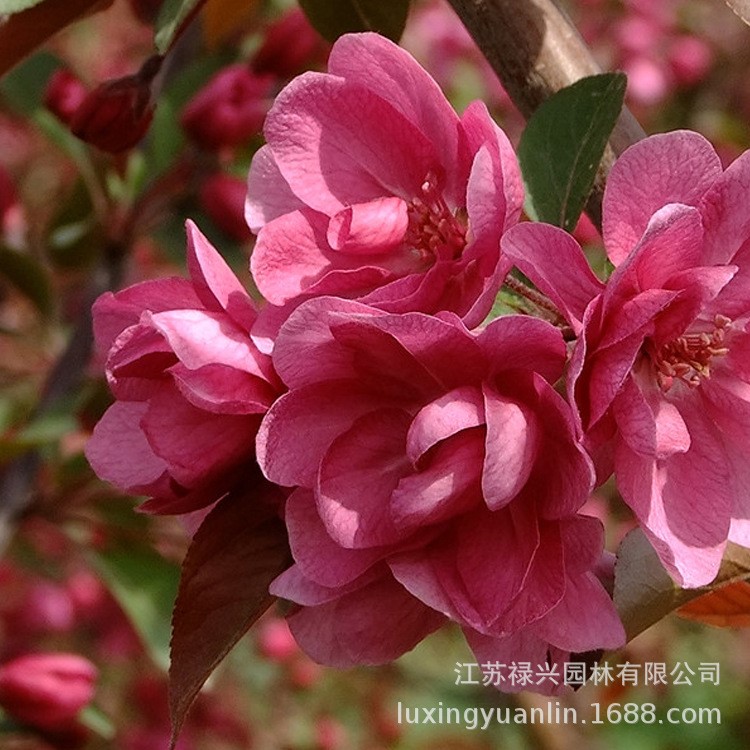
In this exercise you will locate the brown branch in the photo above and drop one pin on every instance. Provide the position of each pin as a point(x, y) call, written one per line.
point(536, 51)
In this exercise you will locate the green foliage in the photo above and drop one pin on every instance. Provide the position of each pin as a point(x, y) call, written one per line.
point(8, 7)
point(332, 18)
point(562, 146)
point(28, 276)
point(172, 16)
point(23, 88)
point(145, 586)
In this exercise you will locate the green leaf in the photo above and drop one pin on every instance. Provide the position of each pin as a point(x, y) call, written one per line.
point(8, 7)
point(238, 550)
point(563, 144)
point(23, 87)
point(145, 586)
point(644, 592)
point(332, 18)
point(172, 16)
point(29, 277)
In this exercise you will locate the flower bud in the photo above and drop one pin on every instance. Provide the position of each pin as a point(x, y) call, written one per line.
point(276, 642)
point(229, 110)
point(291, 44)
point(117, 114)
point(47, 690)
point(64, 94)
point(222, 197)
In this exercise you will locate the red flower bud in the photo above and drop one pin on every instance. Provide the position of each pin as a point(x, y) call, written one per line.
point(117, 114)
point(47, 690)
point(291, 45)
point(64, 95)
point(229, 110)
point(222, 197)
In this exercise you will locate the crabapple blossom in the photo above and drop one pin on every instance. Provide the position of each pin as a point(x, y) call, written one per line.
point(428, 490)
point(186, 375)
point(371, 187)
point(660, 374)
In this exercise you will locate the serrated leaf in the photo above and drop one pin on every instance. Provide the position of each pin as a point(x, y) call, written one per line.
point(172, 16)
point(563, 144)
point(332, 18)
point(29, 277)
point(644, 592)
point(238, 550)
point(741, 8)
point(145, 586)
point(727, 607)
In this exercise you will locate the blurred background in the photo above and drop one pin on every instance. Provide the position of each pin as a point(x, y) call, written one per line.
point(80, 572)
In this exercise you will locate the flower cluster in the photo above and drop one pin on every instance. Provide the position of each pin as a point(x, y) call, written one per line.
point(433, 470)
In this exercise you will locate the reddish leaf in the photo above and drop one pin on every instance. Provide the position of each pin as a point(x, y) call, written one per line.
point(22, 32)
point(236, 553)
point(727, 607)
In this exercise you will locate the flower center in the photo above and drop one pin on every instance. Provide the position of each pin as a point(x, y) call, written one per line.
point(434, 231)
point(689, 357)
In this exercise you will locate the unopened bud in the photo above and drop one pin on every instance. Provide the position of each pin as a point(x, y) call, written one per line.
point(229, 110)
point(291, 45)
point(222, 197)
point(117, 114)
point(47, 690)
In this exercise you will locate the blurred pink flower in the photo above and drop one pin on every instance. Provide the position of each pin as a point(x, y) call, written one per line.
point(185, 375)
point(371, 187)
point(229, 110)
point(661, 371)
point(222, 197)
point(47, 690)
point(290, 44)
point(64, 94)
point(427, 490)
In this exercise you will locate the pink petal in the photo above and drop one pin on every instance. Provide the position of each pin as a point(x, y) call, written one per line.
point(318, 557)
point(306, 350)
point(343, 632)
point(725, 215)
point(511, 448)
point(524, 343)
point(300, 426)
point(118, 450)
point(268, 193)
point(667, 496)
point(394, 75)
point(215, 283)
point(371, 454)
point(482, 132)
point(369, 228)
point(676, 167)
point(337, 143)
point(295, 587)
point(452, 412)
point(201, 338)
point(583, 541)
point(585, 619)
point(223, 390)
point(179, 433)
point(554, 261)
point(449, 483)
point(651, 425)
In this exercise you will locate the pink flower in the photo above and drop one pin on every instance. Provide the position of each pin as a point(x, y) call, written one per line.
point(64, 94)
point(371, 187)
point(229, 109)
point(428, 489)
point(47, 690)
point(190, 385)
point(661, 371)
